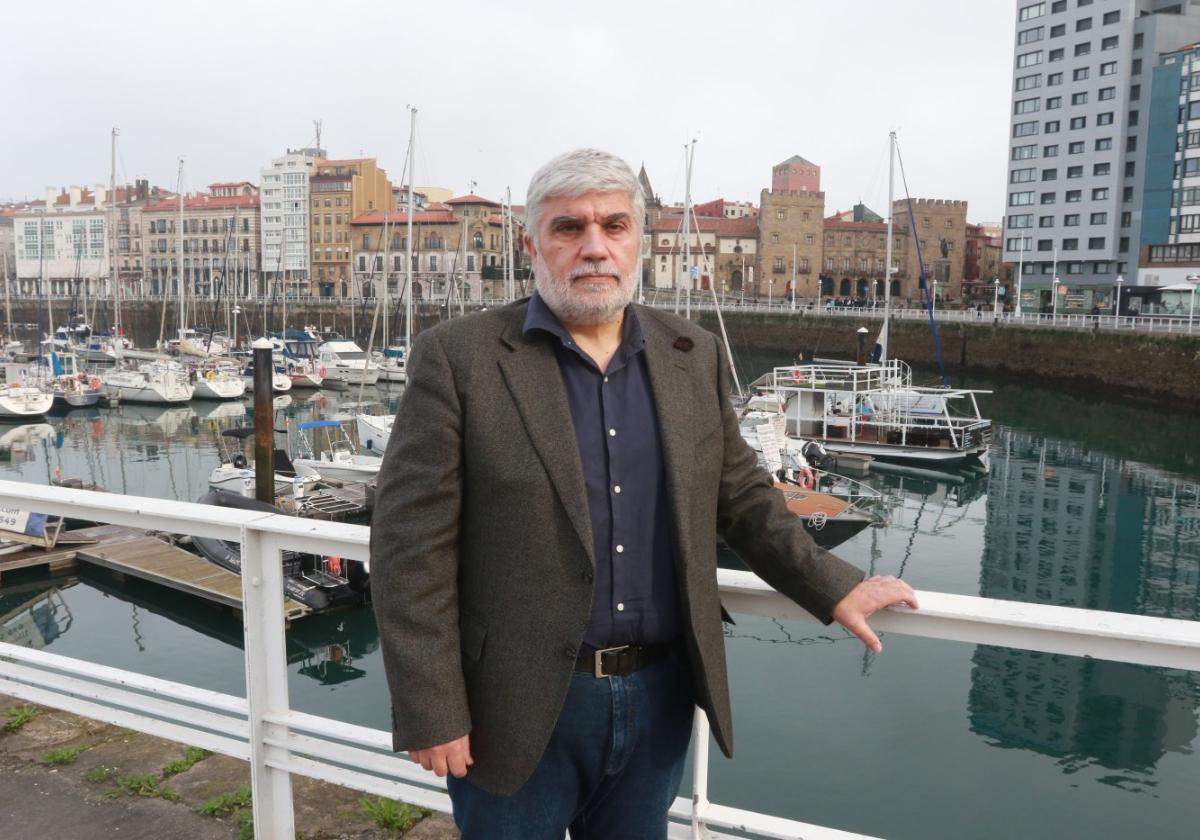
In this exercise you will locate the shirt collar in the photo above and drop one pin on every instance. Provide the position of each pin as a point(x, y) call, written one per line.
point(540, 317)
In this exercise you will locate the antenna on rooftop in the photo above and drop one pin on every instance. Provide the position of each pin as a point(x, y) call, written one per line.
point(317, 126)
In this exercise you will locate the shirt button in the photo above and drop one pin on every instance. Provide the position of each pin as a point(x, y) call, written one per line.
point(620, 549)
point(612, 432)
point(606, 380)
point(620, 608)
point(617, 489)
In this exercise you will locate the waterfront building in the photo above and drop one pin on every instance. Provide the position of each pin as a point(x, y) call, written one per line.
point(284, 218)
point(1082, 84)
point(221, 244)
point(8, 245)
point(796, 175)
point(853, 256)
point(341, 190)
point(64, 239)
point(941, 234)
point(982, 267)
point(790, 235)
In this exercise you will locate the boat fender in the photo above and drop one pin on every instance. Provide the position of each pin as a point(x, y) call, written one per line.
point(797, 375)
point(321, 372)
point(335, 565)
point(211, 375)
point(806, 478)
point(94, 383)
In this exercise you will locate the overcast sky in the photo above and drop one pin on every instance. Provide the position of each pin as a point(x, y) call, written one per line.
point(503, 86)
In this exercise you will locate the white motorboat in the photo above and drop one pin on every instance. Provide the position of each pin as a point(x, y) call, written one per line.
point(281, 383)
point(235, 474)
point(346, 360)
point(374, 430)
point(298, 354)
point(162, 381)
point(220, 381)
point(24, 400)
point(337, 460)
point(392, 364)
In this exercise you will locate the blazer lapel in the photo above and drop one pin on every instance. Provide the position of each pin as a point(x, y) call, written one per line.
point(671, 382)
point(531, 373)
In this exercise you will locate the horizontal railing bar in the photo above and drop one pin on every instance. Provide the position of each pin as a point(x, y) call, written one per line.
point(332, 730)
point(128, 720)
point(392, 765)
point(132, 701)
point(764, 825)
point(316, 536)
point(364, 782)
point(128, 679)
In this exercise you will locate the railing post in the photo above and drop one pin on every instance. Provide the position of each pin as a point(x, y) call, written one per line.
point(266, 680)
point(699, 773)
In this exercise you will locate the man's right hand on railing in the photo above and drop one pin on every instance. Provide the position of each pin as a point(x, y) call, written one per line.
point(451, 757)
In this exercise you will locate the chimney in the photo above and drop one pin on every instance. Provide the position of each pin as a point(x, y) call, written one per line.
point(76, 195)
point(101, 193)
point(51, 195)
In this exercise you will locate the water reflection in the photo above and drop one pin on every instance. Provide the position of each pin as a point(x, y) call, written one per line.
point(1075, 527)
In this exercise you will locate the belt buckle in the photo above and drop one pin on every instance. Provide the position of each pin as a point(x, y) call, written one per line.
point(598, 666)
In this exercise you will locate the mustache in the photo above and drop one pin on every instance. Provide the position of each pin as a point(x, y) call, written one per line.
point(593, 268)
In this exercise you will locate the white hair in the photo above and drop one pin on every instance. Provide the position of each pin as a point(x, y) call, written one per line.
point(577, 173)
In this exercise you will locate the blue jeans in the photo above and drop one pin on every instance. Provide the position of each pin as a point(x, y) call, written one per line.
point(612, 767)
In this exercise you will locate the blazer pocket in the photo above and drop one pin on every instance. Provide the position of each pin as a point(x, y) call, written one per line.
point(471, 637)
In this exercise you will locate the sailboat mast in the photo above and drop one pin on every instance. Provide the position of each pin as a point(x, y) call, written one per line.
point(408, 242)
point(688, 153)
point(887, 259)
point(112, 239)
point(386, 256)
point(182, 293)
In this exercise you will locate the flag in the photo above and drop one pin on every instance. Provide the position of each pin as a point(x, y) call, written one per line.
point(880, 351)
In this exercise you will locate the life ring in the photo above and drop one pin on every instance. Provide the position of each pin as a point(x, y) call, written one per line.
point(321, 372)
point(797, 375)
point(806, 479)
point(210, 375)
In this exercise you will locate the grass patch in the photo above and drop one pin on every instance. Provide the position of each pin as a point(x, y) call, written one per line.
point(245, 825)
point(100, 775)
point(148, 785)
point(66, 755)
point(18, 716)
point(193, 756)
point(226, 803)
point(389, 814)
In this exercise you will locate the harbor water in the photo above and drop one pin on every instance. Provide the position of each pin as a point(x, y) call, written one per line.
point(1088, 503)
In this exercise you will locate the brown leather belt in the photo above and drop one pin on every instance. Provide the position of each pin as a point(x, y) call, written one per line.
point(622, 661)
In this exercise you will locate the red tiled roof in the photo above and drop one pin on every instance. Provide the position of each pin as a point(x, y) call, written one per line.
point(203, 202)
point(230, 184)
point(473, 199)
point(399, 217)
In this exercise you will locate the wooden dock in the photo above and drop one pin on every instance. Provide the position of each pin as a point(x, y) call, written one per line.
point(132, 552)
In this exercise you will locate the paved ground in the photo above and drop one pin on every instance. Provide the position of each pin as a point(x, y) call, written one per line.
point(117, 783)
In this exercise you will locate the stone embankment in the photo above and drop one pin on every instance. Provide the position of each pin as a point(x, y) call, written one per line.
point(71, 778)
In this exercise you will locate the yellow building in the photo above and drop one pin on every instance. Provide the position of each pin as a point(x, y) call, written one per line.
point(340, 190)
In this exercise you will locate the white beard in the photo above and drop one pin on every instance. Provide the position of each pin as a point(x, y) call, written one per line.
point(586, 304)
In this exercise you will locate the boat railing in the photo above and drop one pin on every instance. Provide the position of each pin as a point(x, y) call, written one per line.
point(279, 741)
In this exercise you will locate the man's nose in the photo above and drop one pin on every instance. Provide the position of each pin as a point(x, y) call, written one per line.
point(594, 246)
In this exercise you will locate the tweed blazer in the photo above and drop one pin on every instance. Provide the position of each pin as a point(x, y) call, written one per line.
point(481, 548)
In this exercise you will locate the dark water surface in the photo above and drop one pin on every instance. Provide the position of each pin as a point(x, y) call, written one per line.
point(1088, 503)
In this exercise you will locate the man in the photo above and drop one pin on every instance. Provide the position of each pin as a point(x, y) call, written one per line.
point(543, 546)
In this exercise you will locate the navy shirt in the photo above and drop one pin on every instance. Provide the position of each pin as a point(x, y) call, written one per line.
point(635, 599)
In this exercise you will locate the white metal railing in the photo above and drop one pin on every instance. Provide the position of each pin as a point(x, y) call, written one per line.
point(278, 741)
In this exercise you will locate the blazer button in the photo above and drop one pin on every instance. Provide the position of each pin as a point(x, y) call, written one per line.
point(588, 577)
point(570, 652)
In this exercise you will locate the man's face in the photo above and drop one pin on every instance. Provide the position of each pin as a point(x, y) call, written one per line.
point(587, 256)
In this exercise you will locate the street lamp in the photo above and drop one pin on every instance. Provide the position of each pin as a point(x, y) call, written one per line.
point(1117, 302)
point(996, 297)
point(1054, 301)
point(1193, 279)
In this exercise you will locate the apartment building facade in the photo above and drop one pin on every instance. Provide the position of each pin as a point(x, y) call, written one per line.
point(341, 190)
point(284, 223)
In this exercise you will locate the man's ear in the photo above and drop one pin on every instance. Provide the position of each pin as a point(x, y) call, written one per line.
point(530, 248)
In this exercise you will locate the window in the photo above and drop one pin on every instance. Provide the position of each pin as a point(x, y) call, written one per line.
point(778, 265)
point(1126, 219)
point(1130, 169)
point(1133, 118)
point(1083, 2)
point(1053, 103)
point(1045, 245)
point(1135, 68)
point(1083, 49)
point(1104, 119)
point(1192, 138)
point(1074, 196)
point(1111, 17)
point(1071, 220)
point(1024, 220)
point(1058, 30)
point(1047, 198)
point(774, 237)
point(1102, 169)
point(1029, 59)
point(1074, 171)
point(1108, 68)
point(1075, 148)
point(1079, 98)
point(1107, 93)
point(1034, 10)
point(1049, 174)
point(1050, 151)
point(1138, 40)
point(1078, 122)
point(1045, 221)
point(1053, 79)
point(1028, 36)
point(780, 214)
point(1050, 128)
point(1083, 24)
point(1080, 74)
point(1024, 129)
point(1123, 245)
point(1135, 93)
point(1029, 82)
point(1103, 144)
point(1026, 106)
point(1055, 55)
point(1074, 268)
point(1058, 6)
point(1100, 194)
point(1019, 199)
point(1127, 194)
point(1098, 219)
point(1024, 152)
point(1070, 244)
point(1109, 43)
point(1131, 144)
point(1016, 243)
point(1191, 167)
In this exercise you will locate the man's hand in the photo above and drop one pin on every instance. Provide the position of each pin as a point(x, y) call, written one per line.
point(871, 596)
point(451, 757)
